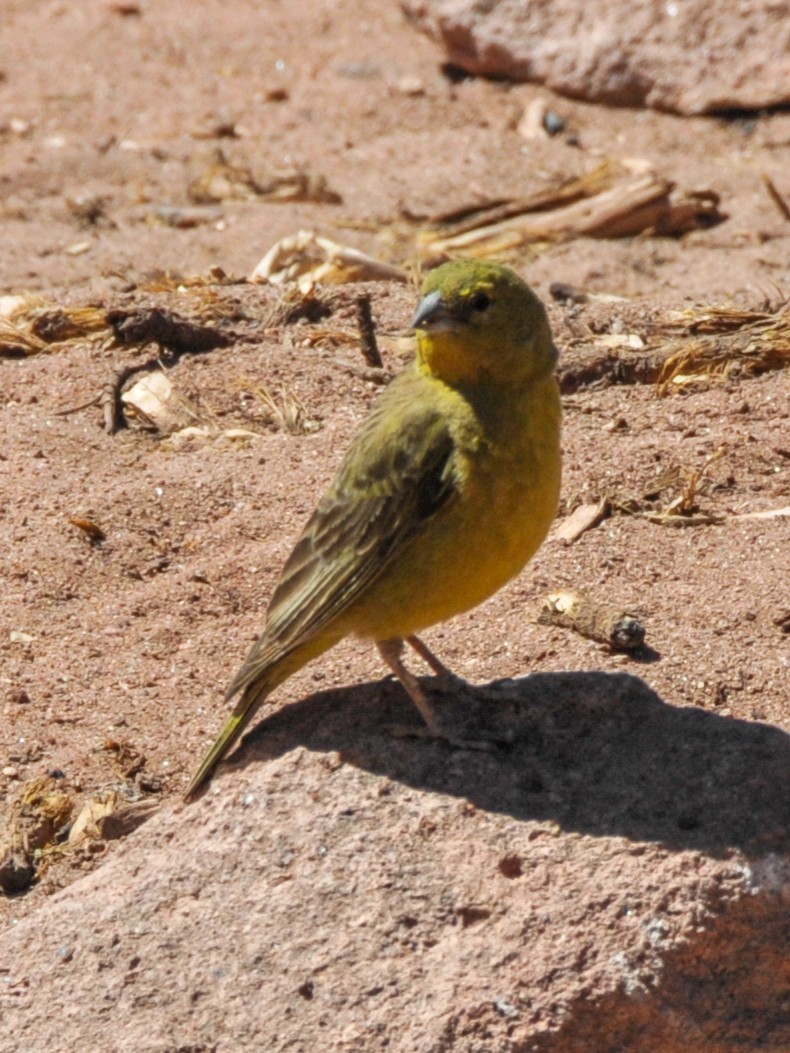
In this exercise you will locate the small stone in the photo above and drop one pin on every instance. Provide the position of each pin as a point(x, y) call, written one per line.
point(411, 85)
point(505, 1008)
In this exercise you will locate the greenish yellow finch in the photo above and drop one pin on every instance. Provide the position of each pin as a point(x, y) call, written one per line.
point(447, 490)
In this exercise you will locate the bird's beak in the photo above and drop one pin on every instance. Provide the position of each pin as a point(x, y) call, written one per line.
point(432, 314)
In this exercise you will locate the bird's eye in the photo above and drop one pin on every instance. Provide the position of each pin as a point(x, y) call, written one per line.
point(481, 302)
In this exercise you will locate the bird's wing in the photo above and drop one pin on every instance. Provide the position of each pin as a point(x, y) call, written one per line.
point(388, 488)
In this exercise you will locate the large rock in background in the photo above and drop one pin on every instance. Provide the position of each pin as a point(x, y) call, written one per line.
point(688, 56)
point(615, 879)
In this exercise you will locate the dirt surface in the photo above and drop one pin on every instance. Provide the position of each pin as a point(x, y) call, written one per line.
point(115, 651)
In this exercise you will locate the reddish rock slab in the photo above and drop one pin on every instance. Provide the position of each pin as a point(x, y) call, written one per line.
point(685, 56)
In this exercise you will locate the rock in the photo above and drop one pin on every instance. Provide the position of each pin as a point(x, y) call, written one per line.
point(687, 56)
point(615, 878)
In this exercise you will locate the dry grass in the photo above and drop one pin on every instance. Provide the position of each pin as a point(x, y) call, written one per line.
point(723, 341)
point(287, 410)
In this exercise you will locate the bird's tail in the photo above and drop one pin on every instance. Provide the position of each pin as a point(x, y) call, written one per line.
point(267, 666)
point(252, 697)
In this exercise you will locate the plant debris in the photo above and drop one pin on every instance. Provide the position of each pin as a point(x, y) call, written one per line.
point(614, 200)
point(307, 258)
point(367, 332)
point(701, 344)
point(722, 341)
point(681, 510)
point(154, 403)
point(214, 179)
point(37, 819)
point(30, 325)
point(92, 530)
point(109, 815)
point(603, 622)
point(584, 518)
point(287, 410)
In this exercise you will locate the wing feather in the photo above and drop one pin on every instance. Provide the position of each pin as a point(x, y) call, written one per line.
point(382, 498)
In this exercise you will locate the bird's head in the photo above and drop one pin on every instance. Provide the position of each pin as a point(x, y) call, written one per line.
point(479, 321)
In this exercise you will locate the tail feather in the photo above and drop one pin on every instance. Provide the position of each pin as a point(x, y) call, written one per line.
point(266, 667)
point(251, 699)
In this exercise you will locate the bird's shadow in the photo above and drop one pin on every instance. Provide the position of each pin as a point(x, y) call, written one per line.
point(600, 753)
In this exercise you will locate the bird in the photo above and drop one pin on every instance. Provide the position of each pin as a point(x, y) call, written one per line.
point(447, 490)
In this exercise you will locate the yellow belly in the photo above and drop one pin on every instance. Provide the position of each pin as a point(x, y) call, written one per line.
point(506, 502)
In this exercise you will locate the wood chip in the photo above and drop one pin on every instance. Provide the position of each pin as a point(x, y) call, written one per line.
point(584, 518)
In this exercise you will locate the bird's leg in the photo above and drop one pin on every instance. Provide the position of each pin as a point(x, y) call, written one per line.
point(449, 680)
point(391, 651)
point(428, 656)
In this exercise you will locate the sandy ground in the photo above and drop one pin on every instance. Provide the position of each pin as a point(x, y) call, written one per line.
point(115, 653)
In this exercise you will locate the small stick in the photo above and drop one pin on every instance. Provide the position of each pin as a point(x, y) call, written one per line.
point(597, 621)
point(110, 398)
point(367, 331)
point(775, 196)
point(372, 374)
point(76, 409)
point(144, 325)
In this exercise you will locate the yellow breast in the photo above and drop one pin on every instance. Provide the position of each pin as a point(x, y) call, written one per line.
point(510, 469)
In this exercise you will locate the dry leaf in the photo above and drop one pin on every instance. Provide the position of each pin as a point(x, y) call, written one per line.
point(95, 809)
point(110, 815)
point(93, 530)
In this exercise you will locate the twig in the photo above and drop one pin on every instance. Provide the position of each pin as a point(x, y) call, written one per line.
point(371, 374)
point(110, 398)
point(775, 196)
point(145, 325)
point(77, 409)
point(644, 202)
point(367, 331)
